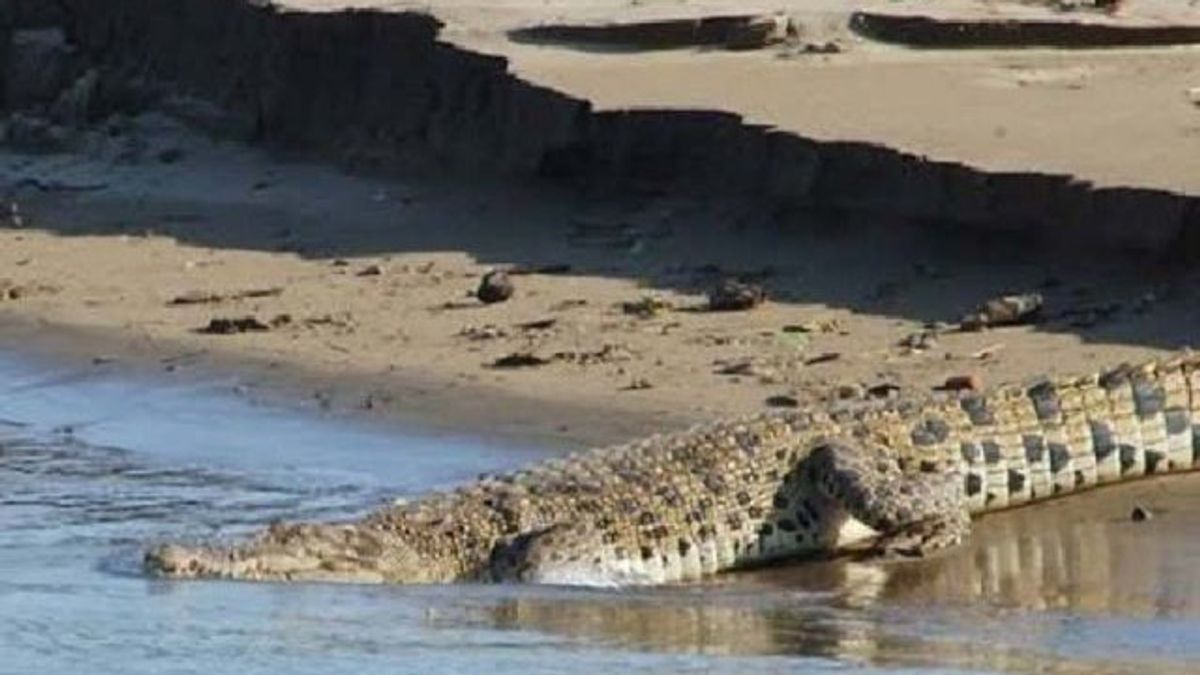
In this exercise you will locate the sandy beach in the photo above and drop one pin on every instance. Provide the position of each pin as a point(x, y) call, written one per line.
point(364, 291)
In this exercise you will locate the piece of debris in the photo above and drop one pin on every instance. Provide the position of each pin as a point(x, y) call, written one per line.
point(849, 392)
point(344, 321)
point(646, 307)
point(197, 297)
point(519, 360)
point(494, 287)
point(638, 384)
point(823, 358)
point(734, 296)
point(14, 291)
point(759, 32)
point(1140, 514)
point(969, 382)
point(782, 401)
point(376, 399)
point(987, 352)
point(1006, 310)
point(748, 367)
point(824, 326)
point(884, 390)
point(540, 324)
point(232, 326)
point(609, 353)
point(737, 367)
point(920, 341)
point(485, 332)
point(828, 47)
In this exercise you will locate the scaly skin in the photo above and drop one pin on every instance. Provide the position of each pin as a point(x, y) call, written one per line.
point(906, 476)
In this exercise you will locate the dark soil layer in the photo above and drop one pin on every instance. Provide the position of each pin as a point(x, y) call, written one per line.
point(378, 90)
point(927, 31)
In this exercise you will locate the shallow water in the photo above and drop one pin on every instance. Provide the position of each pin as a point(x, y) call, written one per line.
point(94, 468)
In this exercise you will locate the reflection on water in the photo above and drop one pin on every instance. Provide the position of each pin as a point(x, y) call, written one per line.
point(1068, 588)
point(91, 470)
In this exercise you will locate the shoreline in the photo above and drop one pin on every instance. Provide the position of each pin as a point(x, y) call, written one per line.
point(421, 404)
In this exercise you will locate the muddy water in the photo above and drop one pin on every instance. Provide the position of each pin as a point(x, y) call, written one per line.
point(93, 468)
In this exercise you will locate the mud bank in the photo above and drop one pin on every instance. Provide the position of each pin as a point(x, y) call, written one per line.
point(746, 31)
point(378, 90)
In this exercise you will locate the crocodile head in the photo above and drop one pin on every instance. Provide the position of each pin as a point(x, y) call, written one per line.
point(300, 553)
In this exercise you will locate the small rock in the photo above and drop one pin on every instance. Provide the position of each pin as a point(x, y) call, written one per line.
point(646, 307)
point(825, 326)
point(828, 47)
point(734, 296)
point(495, 287)
point(1140, 514)
point(760, 32)
point(370, 271)
point(782, 401)
point(228, 326)
point(1193, 95)
point(1007, 310)
point(539, 324)
point(969, 382)
point(823, 358)
point(519, 360)
point(849, 392)
point(486, 332)
point(885, 390)
point(920, 341)
point(638, 384)
point(195, 297)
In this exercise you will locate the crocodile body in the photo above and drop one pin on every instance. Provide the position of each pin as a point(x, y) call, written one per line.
point(905, 477)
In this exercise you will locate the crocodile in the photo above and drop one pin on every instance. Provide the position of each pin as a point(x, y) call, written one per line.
point(899, 478)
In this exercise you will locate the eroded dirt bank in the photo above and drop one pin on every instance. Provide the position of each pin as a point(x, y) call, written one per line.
point(378, 89)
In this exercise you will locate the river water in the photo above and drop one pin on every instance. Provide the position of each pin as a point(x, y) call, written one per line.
point(95, 467)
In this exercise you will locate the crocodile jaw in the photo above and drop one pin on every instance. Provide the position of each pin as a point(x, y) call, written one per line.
point(296, 553)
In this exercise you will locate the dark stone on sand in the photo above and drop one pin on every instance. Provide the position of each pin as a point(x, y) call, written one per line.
point(233, 326)
point(495, 287)
point(735, 296)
